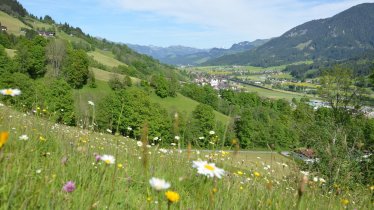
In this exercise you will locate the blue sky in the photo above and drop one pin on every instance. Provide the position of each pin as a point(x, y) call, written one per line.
point(195, 23)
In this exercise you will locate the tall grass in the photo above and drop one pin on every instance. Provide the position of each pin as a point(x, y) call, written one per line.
point(34, 171)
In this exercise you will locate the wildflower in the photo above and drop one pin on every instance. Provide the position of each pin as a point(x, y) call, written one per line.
point(10, 92)
point(201, 137)
point(155, 138)
point(119, 165)
point(177, 138)
point(372, 188)
point(38, 171)
point(305, 173)
point(172, 197)
point(214, 190)
point(41, 138)
point(256, 174)
point(211, 132)
point(159, 184)
point(108, 130)
point(108, 159)
point(69, 187)
point(91, 103)
point(3, 138)
point(345, 201)
point(315, 179)
point(208, 169)
point(239, 173)
point(163, 150)
point(23, 137)
point(149, 199)
point(64, 160)
point(129, 128)
point(97, 158)
point(173, 144)
point(139, 143)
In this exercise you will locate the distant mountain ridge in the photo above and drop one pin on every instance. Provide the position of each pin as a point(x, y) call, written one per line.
point(181, 55)
point(343, 36)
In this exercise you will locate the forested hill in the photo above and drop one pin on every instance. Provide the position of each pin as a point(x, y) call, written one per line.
point(13, 7)
point(20, 22)
point(346, 35)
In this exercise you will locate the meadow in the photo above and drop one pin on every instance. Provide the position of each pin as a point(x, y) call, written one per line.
point(51, 166)
point(13, 24)
point(274, 94)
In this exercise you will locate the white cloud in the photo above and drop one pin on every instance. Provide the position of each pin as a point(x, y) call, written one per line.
point(246, 18)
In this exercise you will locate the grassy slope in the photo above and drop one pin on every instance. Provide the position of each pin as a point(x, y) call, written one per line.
point(36, 170)
point(38, 25)
point(106, 75)
point(11, 53)
point(105, 58)
point(180, 103)
point(184, 104)
point(13, 24)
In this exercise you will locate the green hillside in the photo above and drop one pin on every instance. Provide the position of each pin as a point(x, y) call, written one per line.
point(184, 105)
point(13, 24)
point(106, 59)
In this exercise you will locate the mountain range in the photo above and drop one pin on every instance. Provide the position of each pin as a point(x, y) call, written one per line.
point(346, 35)
point(182, 55)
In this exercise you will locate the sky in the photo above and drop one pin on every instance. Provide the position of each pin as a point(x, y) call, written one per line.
point(194, 23)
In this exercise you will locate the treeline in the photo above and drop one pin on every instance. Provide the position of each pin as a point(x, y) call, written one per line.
point(46, 70)
point(137, 65)
point(361, 66)
point(13, 7)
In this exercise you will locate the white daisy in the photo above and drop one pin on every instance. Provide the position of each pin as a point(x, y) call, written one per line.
point(208, 169)
point(108, 159)
point(139, 143)
point(163, 150)
point(91, 103)
point(177, 138)
point(10, 92)
point(159, 184)
point(212, 132)
point(23, 137)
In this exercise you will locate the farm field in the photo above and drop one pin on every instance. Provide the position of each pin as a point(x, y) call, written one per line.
point(274, 94)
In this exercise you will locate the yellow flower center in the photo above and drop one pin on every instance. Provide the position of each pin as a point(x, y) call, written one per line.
point(107, 161)
point(8, 92)
point(209, 167)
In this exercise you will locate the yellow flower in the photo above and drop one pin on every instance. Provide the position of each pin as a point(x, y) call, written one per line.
point(119, 165)
point(149, 199)
point(345, 201)
point(239, 173)
point(372, 187)
point(256, 174)
point(172, 196)
point(41, 138)
point(3, 138)
point(215, 190)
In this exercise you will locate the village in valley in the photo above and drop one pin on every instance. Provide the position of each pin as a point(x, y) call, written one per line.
point(240, 78)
